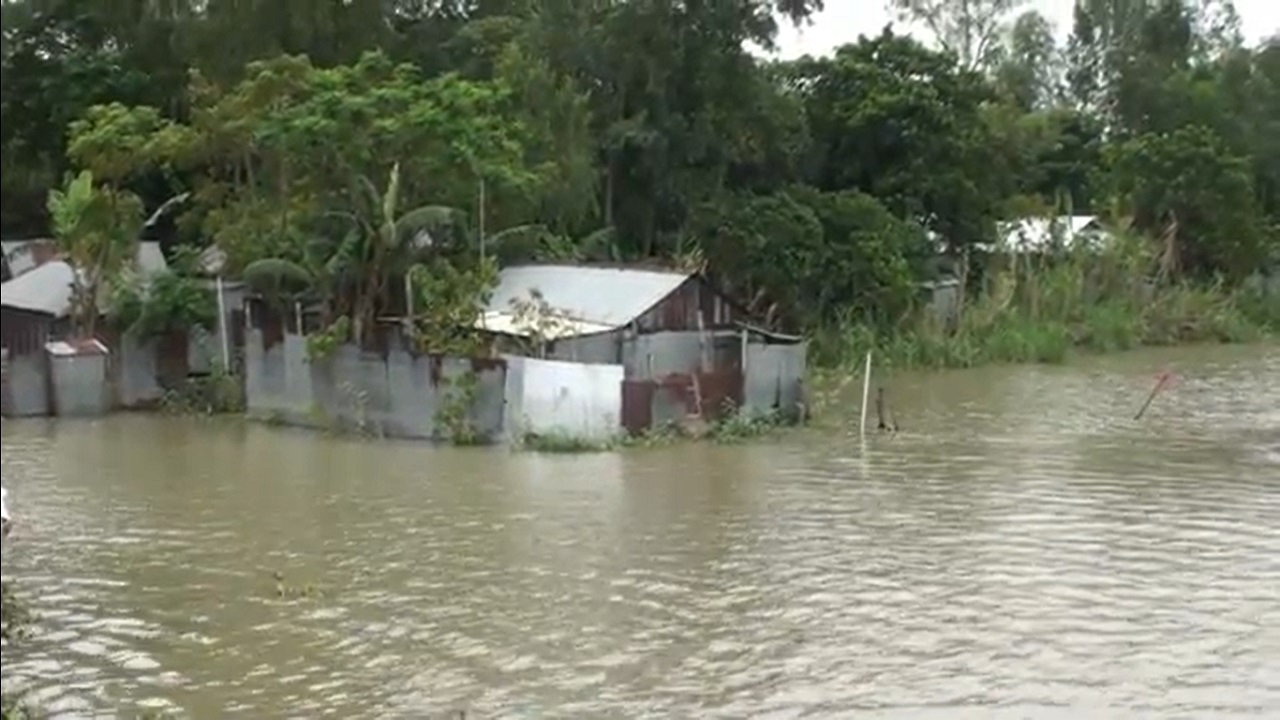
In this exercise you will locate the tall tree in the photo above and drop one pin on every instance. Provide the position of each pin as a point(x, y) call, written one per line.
point(906, 125)
point(1029, 65)
point(969, 29)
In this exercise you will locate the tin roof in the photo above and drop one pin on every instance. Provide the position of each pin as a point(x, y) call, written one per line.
point(76, 348)
point(149, 258)
point(580, 300)
point(1040, 234)
point(17, 253)
point(46, 289)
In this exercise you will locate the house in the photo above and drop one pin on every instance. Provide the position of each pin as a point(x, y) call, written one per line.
point(684, 347)
point(598, 314)
point(1041, 235)
point(35, 309)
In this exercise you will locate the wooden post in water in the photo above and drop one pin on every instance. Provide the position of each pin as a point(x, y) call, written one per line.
point(1161, 382)
point(866, 391)
point(222, 326)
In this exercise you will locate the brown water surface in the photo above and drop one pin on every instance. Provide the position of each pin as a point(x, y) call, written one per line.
point(1022, 549)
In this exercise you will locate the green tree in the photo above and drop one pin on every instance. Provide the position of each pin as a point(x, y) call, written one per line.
point(1187, 187)
point(96, 228)
point(971, 30)
point(807, 257)
point(905, 125)
point(55, 66)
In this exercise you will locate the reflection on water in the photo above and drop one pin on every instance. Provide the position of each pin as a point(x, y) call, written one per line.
point(1022, 549)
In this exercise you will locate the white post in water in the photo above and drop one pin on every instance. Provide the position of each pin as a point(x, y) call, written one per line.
point(866, 392)
point(222, 327)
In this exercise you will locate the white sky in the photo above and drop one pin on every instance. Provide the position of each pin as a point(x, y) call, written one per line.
point(844, 20)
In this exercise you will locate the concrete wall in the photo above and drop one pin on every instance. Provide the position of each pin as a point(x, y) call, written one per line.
point(135, 367)
point(28, 385)
point(5, 402)
point(555, 397)
point(79, 385)
point(396, 395)
point(774, 378)
point(278, 379)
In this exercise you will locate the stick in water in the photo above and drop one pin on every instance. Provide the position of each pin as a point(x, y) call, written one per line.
point(866, 390)
point(886, 422)
point(1161, 381)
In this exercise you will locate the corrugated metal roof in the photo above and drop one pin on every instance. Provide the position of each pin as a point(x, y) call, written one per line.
point(17, 253)
point(1039, 234)
point(75, 348)
point(583, 300)
point(149, 258)
point(47, 289)
point(553, 328)
point(213, 260)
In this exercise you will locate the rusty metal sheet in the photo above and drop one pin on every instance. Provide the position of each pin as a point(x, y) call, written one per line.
point(637, 405)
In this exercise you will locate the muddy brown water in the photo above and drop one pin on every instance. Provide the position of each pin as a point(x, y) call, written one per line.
point(1022, 549)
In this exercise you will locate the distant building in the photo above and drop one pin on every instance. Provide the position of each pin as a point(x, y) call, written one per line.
point(595, 314)
point(1043, 235)
point(674, 334)
point(35, 309)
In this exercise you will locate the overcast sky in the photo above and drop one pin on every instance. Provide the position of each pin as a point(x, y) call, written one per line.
point(844, 20)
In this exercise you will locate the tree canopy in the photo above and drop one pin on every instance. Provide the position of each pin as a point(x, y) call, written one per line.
point(644, 130)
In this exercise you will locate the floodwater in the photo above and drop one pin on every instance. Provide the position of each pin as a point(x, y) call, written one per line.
point(1021, 549)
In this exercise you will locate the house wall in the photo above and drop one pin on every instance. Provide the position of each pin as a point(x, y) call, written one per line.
point(79, 385)
point(135, 372)
point(651, 355)
point(659, 354)
point(24, 334)
point(555, 397)
point(277, 378)
point(604, 348)
point(28, 386)
point(679, 310)
point(774, 379)
point(5, 401)
point(396, 394)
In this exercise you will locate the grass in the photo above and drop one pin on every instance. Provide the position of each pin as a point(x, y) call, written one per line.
point(214, 394)
point(1044, 311)
point(732, 427)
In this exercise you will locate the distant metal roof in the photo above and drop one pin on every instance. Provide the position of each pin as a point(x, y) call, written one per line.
point(213, 260)
point(17, 254)
point(76, 348)
point(1040, 234)
point(46, 289)
point(149, 258)
point(551, 328)
point(580, 300)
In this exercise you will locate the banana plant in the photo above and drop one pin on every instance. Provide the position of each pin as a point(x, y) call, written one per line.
point(96, 228)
